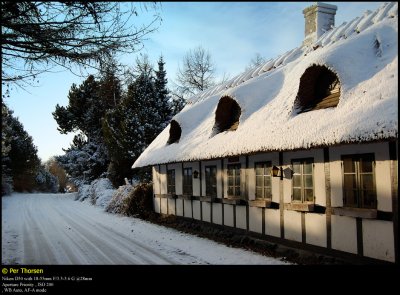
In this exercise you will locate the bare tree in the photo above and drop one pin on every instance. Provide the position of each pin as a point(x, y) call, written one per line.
point(196, 74)
point(37, 36)
point(256, 61)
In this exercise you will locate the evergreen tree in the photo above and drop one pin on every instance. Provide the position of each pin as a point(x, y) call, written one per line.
point(20, 158)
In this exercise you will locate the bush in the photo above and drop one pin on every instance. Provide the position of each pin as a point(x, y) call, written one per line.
point(101, 192)
point(118, 201)
point(140, 201)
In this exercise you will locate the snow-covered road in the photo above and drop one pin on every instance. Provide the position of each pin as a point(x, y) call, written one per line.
point(55, 229)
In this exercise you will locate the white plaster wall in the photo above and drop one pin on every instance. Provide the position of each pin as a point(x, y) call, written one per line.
point(242, 162)
point(272, 222)
point(382, 172)
point(163, 179)
point(179, 207)
point(344, 233)
point(264, 157)
point(255, 219)
point(378, 239)
point(196, 181)
point(164, 206)
point(171, 206)
point(156, 180)
point(157, 205)
point(196, 210)
point(178, 177)
point(292, 221)
point(319, 174)
point(241, 217)
point(187, 208)
point(206, 206)
point(316, 229)
point(219, 176)
point(217, 213)
point(228, 215)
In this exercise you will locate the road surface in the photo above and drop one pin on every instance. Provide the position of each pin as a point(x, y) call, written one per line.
point(42, 229)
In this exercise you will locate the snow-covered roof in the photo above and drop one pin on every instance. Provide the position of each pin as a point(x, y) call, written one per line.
point(362, 53)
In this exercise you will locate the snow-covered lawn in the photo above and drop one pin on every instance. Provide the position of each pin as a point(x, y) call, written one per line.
point(55, 229)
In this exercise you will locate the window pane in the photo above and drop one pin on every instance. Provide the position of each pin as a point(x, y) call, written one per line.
point(267, 181)
point(237, 180)
point(296, 167)
point(366, 165)
point(296, 194)
point(350, 198)
point(267, 170)
point(267, 193)
point(368, 199)
point(259, 181)
point(230, 172)
point(296, 180)
point(214, 172)
point(230, 191)
point(367, 181)
point(237, 191)
point(259, 193)
point(308, 181)
point(308, 195)
point(230, 181)
point(308, 167)
point(349, 165)
point(350, 181)
point(259, 169)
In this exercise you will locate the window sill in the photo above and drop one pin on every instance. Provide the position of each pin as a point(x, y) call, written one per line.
point(303, 207)
point(260, 203)
point(208, 199)
point(233, 201)
point(168, 196)
point(185, 197)
point(355, 212)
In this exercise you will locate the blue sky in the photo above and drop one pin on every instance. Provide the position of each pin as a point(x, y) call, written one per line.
point(233, 32)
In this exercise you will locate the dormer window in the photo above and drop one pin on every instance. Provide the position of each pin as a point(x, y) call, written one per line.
point(227, 115)
point(319, 89)
point(175, 132)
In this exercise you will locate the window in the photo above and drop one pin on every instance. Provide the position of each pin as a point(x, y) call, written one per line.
point(171, 182)
point(234, 180)
point(303, 188)
point(359, 181)
point(187, 181)
point(263, 180)
point(319, 89)
point(211, 181)
point(227, 115)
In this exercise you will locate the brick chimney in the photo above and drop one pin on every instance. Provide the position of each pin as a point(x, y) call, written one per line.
point(319, 18)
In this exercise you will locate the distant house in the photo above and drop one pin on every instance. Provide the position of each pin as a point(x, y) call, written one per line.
point(301, 150)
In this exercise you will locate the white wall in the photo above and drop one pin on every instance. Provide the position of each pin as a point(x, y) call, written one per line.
point(315, 229)
point(292, 221)
point(382, 172)
point(196, 210)
point(206, 207)
point(378, 239)
point(156, 180)
point(274, 158)
point(255, 219)
point(163, 179)
point(217, 213)
point(157, 205)
point(179, 207)
point(163, 206)
point(171, 206)
point(228, 215)
point(272, 222)
point(196, 181)
point(344, 233)
point(319, 174)
point(219, 176)
point(241, 217)
point(187, 208)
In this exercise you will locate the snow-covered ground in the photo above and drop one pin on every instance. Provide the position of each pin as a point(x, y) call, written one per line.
point(55, 229)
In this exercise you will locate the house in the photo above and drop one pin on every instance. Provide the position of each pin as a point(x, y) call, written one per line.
point(300, 151)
